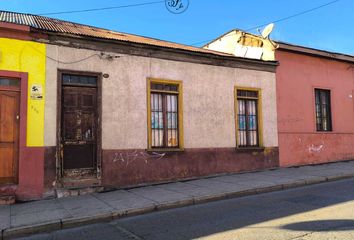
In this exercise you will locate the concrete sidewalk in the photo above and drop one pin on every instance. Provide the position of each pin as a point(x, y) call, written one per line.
point(49, 215)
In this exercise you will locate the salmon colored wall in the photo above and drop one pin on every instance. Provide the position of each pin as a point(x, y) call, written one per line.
point(18, 59)
point(299, 142)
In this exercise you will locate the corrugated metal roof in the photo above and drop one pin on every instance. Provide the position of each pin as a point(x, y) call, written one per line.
point(60, 26)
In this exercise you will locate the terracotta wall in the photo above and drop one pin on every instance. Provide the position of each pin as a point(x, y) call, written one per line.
point(299, 142)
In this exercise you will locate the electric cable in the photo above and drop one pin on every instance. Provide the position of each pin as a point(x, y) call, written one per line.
point(275, 21)
point(99, 9)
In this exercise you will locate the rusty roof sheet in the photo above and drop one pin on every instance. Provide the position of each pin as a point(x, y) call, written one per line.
point(60, 26)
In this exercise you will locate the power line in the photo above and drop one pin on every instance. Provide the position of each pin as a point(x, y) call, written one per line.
point(100, 9)
point(295, 15)
point(278, 20)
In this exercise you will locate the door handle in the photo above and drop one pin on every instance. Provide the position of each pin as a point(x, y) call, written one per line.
point(17, 117)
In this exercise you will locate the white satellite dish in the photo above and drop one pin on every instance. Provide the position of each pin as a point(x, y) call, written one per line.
point(267, 30)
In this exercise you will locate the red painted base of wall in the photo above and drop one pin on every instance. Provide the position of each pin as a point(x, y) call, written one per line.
point(49, 167)
point(304, 149)
point(31, 173)
point(133, 167)
point(30, 176)
point(122, 168)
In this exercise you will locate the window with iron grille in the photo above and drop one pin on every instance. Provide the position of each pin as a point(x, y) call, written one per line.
point(164, 115)
point(323, 110)
point(247, 118)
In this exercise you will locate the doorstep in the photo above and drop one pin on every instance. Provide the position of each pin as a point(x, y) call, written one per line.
point(7, 200)
point(8, 194)
point(69, 187)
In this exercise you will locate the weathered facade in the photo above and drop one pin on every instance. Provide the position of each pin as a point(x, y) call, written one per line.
point(243, 44)
point(135, 111)
point(314, 99)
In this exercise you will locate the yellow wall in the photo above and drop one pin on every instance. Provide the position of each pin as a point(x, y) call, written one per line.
point(30, 57)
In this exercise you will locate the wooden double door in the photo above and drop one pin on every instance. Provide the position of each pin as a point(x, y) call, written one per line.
point(9, 135)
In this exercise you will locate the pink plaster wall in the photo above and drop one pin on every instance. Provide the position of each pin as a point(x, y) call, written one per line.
point(299, 142)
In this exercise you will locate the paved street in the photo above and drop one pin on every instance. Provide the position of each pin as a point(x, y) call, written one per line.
point(49, 215)
point(324, 211)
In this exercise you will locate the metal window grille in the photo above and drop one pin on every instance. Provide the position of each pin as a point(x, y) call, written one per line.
point(247, 118)
point(323, 110)
point(164, 115)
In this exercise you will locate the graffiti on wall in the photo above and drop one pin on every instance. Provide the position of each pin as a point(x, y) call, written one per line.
point(129, 157)
point(316, 148)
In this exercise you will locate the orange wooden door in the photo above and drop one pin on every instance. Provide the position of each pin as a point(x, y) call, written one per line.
point(9, 135)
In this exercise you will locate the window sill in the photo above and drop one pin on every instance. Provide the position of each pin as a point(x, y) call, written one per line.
point(329, 131)
point(250, 149)
point(165, 150)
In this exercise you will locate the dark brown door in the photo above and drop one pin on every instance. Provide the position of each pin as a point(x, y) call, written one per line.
point(79, 135)
point(9, 135)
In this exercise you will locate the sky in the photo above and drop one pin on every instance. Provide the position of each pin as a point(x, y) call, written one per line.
point(329, 28)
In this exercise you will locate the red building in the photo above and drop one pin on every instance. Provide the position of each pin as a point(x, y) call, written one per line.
point(315, 105)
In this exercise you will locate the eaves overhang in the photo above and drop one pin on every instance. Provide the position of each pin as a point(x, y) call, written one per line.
point(315, 52)
point(148, 50)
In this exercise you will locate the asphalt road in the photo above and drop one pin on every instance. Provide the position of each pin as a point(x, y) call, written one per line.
point(324, 211)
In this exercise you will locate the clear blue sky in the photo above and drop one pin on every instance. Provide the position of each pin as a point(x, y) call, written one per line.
point(329, 28)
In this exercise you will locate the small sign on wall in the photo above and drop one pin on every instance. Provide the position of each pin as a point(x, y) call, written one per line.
point(36, 92)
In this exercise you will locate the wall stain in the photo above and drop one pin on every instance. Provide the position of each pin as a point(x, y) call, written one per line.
point(34, 109)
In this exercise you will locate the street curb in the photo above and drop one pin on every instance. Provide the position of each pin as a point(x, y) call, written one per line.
point(75, 222)
point(316, 180)
point(133, 212)
point(339, 177)
point(295, 184)
point(176, 204)
point(106, 217)
point(30, 229)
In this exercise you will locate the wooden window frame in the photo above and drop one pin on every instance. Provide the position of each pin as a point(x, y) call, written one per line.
point(259, 116)
point(179, 114)
point(329, 117)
